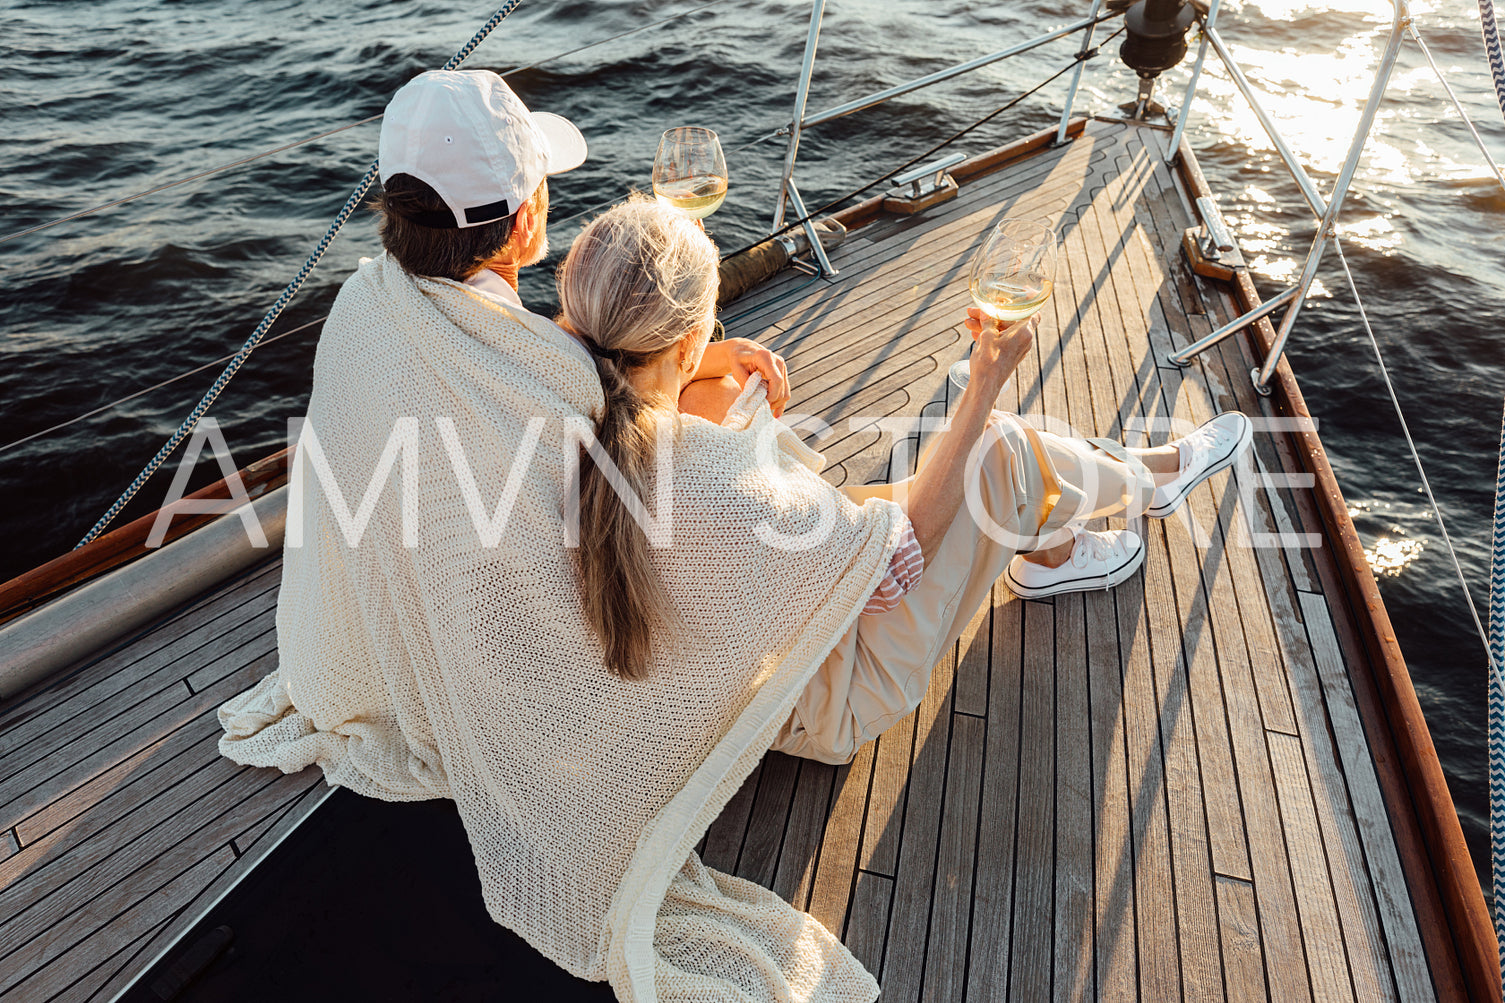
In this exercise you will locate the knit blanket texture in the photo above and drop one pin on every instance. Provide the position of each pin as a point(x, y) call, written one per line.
point(448, 655)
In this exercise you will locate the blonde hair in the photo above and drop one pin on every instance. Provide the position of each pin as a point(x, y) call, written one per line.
point(636, 280)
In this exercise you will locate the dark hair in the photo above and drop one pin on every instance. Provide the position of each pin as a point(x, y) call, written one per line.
point(446, 252)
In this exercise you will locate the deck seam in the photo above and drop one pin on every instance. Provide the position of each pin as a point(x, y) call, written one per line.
point(56, 680)
point(145, 834)
point(123, 667)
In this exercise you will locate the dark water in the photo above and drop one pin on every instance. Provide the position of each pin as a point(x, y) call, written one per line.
point(108, 98)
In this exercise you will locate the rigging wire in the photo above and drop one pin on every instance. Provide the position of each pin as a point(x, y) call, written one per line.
point(330, 132)
point(146, 390)
point(1478, 140)
point(1426, 485)
point(1495, 56)
point(212, 394)
point(1080, 57)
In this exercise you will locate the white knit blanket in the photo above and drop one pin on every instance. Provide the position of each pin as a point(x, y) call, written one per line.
point(447, 668)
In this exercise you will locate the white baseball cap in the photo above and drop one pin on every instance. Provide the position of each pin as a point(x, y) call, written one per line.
point(466, 135)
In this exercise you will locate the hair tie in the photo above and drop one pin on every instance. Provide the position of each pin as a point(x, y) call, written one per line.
point(609, 354)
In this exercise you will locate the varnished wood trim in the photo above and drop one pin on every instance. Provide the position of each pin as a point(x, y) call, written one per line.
point(983, 164)
point(1445, 889)
point(128, 542)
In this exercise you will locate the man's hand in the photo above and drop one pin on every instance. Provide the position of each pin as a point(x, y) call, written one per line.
point(740, 358)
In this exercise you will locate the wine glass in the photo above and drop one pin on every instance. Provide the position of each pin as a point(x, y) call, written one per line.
point(689, 171)
point(1011, 277)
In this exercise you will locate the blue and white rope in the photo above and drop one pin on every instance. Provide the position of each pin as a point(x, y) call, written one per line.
point(238, 360)
point(1497, 706)
point(1491, 30)
point(1496, 57)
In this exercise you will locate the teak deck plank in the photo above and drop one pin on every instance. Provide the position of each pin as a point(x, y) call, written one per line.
point(1243, 960)
point(1161, 792)
point(993, 894)
point(723, 840)
point(1075, 919)
point(804, 833)
point(914, 878)
point(770, 815)
point(1113, 861)
point(831, 893)
point(1030, 963)
point(951, 901)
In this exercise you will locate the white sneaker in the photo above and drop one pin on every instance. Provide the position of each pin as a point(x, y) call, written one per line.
point(1214, 446)
point(1098, 561)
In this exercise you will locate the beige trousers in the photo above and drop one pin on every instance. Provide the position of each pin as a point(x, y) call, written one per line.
point(1027, 486)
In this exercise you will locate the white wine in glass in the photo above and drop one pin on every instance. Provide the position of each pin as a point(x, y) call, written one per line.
point(689, 171)
point(1011, 277)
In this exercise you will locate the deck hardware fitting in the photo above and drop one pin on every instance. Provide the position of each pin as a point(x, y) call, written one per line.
point(1183, 357)
point(928, 185)
point(1210, 249)
point(792, 193)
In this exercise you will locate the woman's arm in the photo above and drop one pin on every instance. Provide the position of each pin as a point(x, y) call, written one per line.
point(739, 358)
point(938, 490)
point(709, 399)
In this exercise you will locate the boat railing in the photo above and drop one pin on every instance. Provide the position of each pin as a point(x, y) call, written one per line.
point(1324, 210)
point(788, 192)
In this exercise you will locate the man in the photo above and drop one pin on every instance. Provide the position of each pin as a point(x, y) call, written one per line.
point(464, 168)
point(465, 196)
point(414, 613)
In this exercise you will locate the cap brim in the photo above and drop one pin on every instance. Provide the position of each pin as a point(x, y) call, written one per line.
point(566, 144)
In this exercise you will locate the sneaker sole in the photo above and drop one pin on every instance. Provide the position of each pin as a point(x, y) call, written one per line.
point(1161, 511)
point(1112, 579)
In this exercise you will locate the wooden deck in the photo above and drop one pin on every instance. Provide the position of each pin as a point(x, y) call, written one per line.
point(1159, 792)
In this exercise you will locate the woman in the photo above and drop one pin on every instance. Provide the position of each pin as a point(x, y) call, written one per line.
point(638, 288)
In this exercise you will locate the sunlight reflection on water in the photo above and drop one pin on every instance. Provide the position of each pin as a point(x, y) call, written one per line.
point(1390, 557)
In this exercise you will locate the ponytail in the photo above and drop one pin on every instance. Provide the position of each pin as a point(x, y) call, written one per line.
point(636, 281)
point(624, 599)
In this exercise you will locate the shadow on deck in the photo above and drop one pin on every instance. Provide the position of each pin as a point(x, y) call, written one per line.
point(1159, 792)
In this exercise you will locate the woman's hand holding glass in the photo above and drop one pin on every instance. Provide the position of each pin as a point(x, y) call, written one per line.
point(998, 348)
point(1011, 279)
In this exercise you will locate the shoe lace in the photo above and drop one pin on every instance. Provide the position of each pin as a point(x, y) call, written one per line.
point(1099, 548)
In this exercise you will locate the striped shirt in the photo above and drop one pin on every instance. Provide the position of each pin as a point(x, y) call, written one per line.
point(904, 571)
